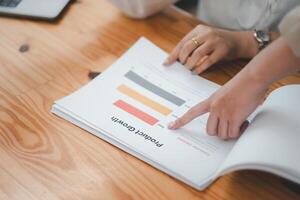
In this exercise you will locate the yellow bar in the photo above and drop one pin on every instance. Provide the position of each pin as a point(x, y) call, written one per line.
point(144, 100)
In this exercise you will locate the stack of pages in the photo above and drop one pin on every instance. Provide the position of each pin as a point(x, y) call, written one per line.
point(132, 102)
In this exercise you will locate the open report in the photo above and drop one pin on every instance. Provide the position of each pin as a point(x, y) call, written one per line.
point(132, 102)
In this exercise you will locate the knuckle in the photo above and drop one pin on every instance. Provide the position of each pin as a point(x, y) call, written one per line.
point(224, 49)
point(184, 53)
point(184, 47)
point(214, 105)
point(199, 26)
point(179, 46)
point(224, 114)
point(188, 48)
point(189, 63)
point(210, 43)
point(179, 121)
point(181, 57)
point(209, 29)
point(212, 60)
point(219, 39)
point(197, 53)
point(235, 119)
point(209, 61)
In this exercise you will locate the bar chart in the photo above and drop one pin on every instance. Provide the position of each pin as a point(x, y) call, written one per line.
point(143, 95)
point(136, 112)
point(153, 88)
point(145, 100)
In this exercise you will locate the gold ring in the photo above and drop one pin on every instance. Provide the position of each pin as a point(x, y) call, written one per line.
point(195, 42)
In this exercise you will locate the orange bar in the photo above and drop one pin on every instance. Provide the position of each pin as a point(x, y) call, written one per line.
point(136, 112)
point(144, 100)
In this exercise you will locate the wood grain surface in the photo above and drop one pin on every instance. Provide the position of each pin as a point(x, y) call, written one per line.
point(44, 157)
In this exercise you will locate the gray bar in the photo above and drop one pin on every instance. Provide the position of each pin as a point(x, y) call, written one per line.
point(153, 88)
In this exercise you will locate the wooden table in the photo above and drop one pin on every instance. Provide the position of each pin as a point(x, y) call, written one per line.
point(44, 157)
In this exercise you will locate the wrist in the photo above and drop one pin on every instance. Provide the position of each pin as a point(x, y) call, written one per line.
point(247, 46)
point(249, 81)
point(256, 77)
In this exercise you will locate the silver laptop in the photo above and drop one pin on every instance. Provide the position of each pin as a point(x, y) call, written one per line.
point(47, 9)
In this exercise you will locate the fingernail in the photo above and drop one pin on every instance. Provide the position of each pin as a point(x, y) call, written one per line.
point(211, 134)
point(166, 63)
point(171, 125)
point(194, 73)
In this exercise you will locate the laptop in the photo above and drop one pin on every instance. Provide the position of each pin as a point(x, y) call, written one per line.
point(46, 9)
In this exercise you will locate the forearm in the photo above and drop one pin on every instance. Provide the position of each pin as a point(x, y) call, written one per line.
point(272, 64)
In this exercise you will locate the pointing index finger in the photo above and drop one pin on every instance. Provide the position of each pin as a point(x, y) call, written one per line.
point(191, 114)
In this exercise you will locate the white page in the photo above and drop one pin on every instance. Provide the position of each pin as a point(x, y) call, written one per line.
point(188, 152)
point(272, 141)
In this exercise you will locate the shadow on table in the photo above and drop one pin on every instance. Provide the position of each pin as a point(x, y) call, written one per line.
point(250, 184)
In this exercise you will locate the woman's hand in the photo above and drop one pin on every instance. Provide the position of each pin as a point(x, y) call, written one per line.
point(229, 107)
point(205, 46)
